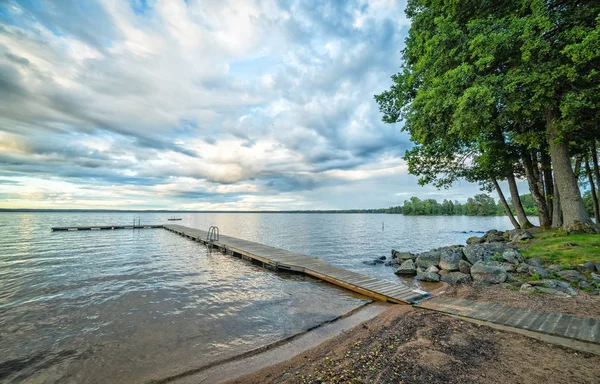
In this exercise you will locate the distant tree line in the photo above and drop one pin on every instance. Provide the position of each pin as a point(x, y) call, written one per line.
point(504, 90)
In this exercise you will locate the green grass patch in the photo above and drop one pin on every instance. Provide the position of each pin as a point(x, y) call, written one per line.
point(558, 248)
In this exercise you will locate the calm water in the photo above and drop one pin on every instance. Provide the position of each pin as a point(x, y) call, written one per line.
point(136, 305)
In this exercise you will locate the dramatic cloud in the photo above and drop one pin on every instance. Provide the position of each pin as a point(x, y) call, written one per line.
point(201, 105)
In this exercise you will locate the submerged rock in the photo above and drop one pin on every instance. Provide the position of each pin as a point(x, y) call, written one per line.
point(407, 268)
point(450, 257)
point(428, 276)
point(488, 273)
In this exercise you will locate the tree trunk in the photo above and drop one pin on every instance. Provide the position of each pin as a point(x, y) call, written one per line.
point(588, 170)
point(556, 209)
point(535, 192)
point(596, 169)
point(537, 175)
point(575, 217)
point(548, 181)
point(509, 213)
point(516, 201)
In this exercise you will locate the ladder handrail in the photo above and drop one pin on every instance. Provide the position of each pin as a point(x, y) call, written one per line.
point(213, 233)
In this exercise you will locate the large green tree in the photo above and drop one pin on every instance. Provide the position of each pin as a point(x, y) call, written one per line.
point(477, 74)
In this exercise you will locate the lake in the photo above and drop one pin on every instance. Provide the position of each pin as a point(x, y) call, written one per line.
point(136, 305)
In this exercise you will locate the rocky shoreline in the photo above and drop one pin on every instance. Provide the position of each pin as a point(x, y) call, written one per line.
point(495, 258)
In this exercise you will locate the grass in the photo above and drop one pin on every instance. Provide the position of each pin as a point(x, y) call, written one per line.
point(559, 248)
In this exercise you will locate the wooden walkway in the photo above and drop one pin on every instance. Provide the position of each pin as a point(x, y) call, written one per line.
point(555, 324)
point(104, 227)
point(280, 259)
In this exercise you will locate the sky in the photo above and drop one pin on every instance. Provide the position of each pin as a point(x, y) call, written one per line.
point(202, 105)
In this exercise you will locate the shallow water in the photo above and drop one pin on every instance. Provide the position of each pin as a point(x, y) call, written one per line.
point(135, 305)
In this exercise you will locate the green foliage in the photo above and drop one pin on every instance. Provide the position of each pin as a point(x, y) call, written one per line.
point(479, 205)
point(536, 276)
point(497, 257)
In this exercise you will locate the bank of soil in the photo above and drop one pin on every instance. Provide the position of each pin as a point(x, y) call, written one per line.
point(582, 305)
point(411, 345)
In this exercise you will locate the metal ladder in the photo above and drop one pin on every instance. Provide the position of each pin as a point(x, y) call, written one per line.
point(213, 234)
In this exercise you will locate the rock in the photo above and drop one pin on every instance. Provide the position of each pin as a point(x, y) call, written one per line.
point(595, 276)
point(508, 267)
point(497, 247)
point(450, 257)
point(516, 235)
point(535, 262)
point(369, 262)
point(432, 268)
point(428, 276)
point(476, 252)
point(464, 266)
point(494, 236)
point(559, 285)
point(512, 256)
point(420, 270)
point(488, 273)
point(403, 256)
point(554, 268)
point(584, 285)
point(552, 291)
point(589, 266)
point(510, 278)
point(537, 271)
point(527, 288)
point(454, 278)
point(598, 267)
point(523, 268)
point(443, 272)
point(392, 263)
point(406, 268)
point(474, 240)
point(571, 275)
point(378, 261)
point(393, 253)
point(427, 259)
point(382, 258)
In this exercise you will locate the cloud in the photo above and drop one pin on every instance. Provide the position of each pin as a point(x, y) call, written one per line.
point(213, 105)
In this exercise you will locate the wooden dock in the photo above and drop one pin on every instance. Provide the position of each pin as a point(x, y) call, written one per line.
point(104, 227)
point(280, 259)
point(561, 325)
point(283, 260)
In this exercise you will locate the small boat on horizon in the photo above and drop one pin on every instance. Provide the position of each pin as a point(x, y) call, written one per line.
point(174, 218)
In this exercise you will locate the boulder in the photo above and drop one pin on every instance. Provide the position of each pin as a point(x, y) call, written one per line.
point(571, 275)
point(510, 278)
point(512, 256)
point(497, 247)
point(558, 285)
point(537, 271)
point(595, 276)
point(450, 257)
point(454, 278)
point(584, 285)
point(516, 235)
point(535, 262)
point(523, 268)
point(589, 266)
point(427, 259)
point(508, 267)
point(476, 252)
point(554, 268)
point(428, 276)
point(432, 268)
point(552, 291)
point(527, 288)
point(488, 272)
point(407, 268)
point(382, 258)
point(494, 236)
point(464, 267)
point(474, 240)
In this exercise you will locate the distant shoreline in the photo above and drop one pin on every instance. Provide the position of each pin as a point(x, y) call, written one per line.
point(382, 211)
